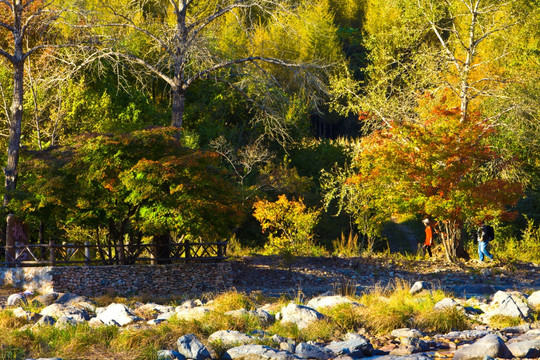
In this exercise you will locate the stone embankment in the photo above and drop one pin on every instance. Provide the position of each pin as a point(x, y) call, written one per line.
point(482, 342)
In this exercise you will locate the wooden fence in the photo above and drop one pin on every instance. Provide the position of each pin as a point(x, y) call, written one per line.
point(86, 254)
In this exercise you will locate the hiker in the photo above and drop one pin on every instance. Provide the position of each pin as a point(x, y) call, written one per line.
point(428, 243)
point(484, 235)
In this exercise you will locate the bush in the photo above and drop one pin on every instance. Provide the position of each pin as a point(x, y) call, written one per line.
point(290, 225)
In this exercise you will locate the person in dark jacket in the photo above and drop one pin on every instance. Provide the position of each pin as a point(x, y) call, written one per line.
point(484, 236)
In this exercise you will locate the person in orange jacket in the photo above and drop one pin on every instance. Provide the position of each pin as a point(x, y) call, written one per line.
point(428, 243)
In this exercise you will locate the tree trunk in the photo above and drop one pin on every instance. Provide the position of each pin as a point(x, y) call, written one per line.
point(450, 232)
point(177, 107)
point(10, 170)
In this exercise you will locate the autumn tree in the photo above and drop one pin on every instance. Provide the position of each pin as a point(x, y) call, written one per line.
point(144, 183)
point(441, 166)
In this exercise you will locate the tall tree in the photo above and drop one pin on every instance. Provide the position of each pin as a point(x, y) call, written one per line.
point(27, 28)
point(187, 41)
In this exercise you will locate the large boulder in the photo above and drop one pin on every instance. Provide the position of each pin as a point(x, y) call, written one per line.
point(231, 337)
point(16, 300)
point(192, 348)
point(446, 303)
point(511, 304)
point(59, 310)
point(258, 352)
point(534, 300)
point(355, 347)
point(117, 314)
point(525, 349)
point(309, 351)
point(490, 345)
point(419, 286)
point(329, 301)
point(300, 315)
point(70, 299)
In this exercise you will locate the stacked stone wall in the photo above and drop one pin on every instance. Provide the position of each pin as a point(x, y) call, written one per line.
point(178, 278)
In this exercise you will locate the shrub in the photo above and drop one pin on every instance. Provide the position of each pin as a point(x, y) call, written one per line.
point(290, 225)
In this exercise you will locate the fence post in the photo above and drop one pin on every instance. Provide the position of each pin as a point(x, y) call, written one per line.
point(52, 257)
point(87, 253)
point(220, 249)
point(188, 249)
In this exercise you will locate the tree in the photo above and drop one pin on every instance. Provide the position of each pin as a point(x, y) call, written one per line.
point(220, 40)
point(144, 183)
point(28, 25)
point(442, 166)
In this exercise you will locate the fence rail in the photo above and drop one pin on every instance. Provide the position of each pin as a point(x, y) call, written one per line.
point(87, 254)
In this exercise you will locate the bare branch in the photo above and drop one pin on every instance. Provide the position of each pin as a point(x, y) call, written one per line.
point(216, 67)
point(7, 55)
point(146, 65)
point(7, 27)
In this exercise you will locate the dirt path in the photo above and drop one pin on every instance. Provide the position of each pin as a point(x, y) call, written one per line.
point(309, 276)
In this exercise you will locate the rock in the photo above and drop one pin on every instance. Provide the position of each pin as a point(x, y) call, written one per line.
point(152, 308)
point(406, 357)
point(516, 330)
point(231, 337)
point(278, 339)
point(265, 318)
point(507, 304)
point(70, 299)
point(66, 321)
point(169, 355)
point(155, 322)
point(534, 300)
point(117, 314)
point(529, 335)
point(192, 348)
point(191, 314)
point(329, 301)
point(286, 346)
point(446, 303)
point(166, 316)
point(300, 315)
point(404, 350)
point(356, 347)
point(258, 352)
point(406, 332)
point(16, 300)
point(45, 321)
point(467, 335)
point(417, 344)
point(525, 349)
point(419, 286)
point(490, 345)
point(308, 351)
point(59, 310)
point(47, 299)
point(189, 304)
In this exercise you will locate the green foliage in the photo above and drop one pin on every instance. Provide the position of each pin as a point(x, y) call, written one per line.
point(145, 181)
point(290, 225)
point(525, 249)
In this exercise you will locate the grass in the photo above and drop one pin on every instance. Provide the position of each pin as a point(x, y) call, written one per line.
point(502, 321)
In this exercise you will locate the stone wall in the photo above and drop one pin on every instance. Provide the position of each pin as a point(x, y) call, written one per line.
point(178, 278)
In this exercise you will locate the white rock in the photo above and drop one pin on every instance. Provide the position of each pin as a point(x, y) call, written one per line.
point(300, 315)
point(16, 300)
point(231, 337)
point(534, 300)
point(191, 314)
point(117, 314)
point(329, 301)
point(446, 303)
